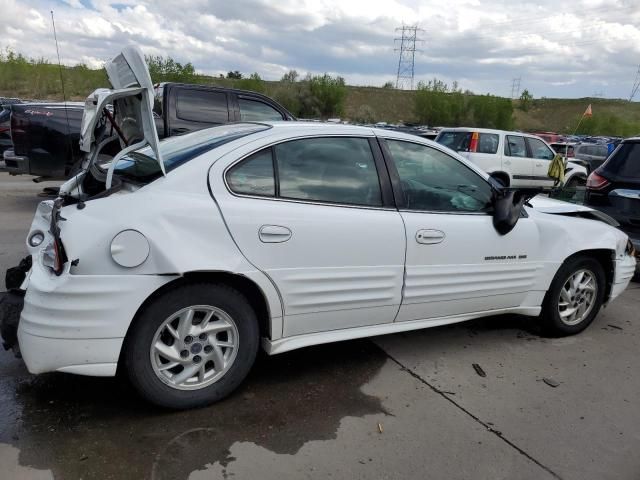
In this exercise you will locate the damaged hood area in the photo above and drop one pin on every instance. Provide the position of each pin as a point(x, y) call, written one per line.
point(124, 113)
point(544, 204)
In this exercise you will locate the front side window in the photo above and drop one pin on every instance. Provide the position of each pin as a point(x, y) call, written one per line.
point(337, 170)
point(434, 181)
point(257, 111)
point(540, 150)
point(514, 146)
point(254, 175)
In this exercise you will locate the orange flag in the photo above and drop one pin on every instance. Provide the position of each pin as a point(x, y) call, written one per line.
point(587, 112)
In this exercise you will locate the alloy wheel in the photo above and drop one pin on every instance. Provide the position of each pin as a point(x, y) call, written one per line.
point(194, 347)
point(577, 297)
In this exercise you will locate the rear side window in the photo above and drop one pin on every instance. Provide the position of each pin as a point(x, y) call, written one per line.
point(336, 170)
point(488, 143)
point(202, 106)
point(257, 111)
point(514, 146)
point(539, 149)
point(625, 161)
point(456, 141)
point(254, 175)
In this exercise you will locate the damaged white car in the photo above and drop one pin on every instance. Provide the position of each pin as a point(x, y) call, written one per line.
point(176, 261)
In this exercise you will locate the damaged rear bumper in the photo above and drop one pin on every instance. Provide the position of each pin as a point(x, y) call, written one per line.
point(12, 303)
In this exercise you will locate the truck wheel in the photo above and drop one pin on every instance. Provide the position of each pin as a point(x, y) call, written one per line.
point(192, 346)
point(574, 297)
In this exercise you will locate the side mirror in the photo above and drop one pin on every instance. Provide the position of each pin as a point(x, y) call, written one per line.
point(507, 207)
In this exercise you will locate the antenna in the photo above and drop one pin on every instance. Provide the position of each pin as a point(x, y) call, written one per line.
point(66, 107)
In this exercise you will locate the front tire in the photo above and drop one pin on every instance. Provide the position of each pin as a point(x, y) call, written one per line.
point(192, 346)
point(574, 297)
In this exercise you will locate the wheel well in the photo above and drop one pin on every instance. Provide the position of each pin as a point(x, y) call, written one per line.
point(502, 176)
point(239, 282)
point(606, 259)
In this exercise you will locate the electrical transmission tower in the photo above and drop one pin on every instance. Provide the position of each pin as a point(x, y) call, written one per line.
point(515, 87)
point(636, 85)
point(407, 47)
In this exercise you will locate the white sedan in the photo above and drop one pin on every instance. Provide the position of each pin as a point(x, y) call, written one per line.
point(179, 259)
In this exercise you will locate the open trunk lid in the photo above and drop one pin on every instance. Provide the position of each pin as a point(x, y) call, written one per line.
point(124, 112)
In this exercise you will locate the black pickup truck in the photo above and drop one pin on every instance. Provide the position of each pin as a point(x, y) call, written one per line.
point(43, 144)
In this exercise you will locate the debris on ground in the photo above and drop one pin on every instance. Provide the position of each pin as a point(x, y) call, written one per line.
point(614, 326)
point(551, 382)
point(380, 429)
point(479, 370)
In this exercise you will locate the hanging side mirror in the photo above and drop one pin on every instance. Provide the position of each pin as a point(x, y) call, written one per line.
point(507, 207)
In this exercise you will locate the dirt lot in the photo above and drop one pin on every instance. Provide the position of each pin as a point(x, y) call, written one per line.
point(403, 406)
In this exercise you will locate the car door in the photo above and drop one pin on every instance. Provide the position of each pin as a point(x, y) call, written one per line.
point(516, 161)
point(542, 155)
point(456, 262)
point(316, 217)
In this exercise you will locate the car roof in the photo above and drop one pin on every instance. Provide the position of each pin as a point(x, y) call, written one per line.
point(319, 128)
point(487, 130)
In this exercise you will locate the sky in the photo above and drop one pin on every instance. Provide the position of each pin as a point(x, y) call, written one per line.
point(557, 48)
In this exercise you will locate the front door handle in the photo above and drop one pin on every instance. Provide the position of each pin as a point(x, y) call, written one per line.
point(429, 236)
point(538, 164)
point(274, 234)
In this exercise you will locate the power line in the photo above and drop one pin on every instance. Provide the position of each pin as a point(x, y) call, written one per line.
point(406, 60)
point(636, 85)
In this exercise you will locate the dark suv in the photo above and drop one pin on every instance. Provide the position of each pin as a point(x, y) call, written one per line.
point(614, 188)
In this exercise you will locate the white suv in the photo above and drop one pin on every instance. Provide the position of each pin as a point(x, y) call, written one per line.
point(513, 158)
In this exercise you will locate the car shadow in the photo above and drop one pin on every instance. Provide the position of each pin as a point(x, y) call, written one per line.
point(82, 427)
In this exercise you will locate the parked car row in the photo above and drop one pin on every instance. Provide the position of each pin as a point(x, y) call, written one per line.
point(512, 158)
point(589, 155)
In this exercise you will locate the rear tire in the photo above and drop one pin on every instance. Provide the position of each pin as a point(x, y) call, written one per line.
point(574, 297)
point(192, 346)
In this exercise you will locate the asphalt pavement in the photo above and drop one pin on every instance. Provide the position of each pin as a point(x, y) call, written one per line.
point(405, 406)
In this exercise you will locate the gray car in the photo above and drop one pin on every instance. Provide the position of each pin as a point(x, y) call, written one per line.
point(589, 155)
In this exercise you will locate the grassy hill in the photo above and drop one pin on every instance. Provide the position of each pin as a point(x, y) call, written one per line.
point(40, 80)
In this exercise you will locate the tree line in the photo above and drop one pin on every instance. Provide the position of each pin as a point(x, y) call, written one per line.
point(433, 103)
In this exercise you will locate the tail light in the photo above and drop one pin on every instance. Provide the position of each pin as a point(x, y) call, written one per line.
point(473, 146)
point(596, 182)
point(53, 257)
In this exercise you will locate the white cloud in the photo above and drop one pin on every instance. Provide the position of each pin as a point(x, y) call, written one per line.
point(558, 47)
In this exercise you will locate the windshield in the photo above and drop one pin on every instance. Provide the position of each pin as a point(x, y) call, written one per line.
point(142, 166)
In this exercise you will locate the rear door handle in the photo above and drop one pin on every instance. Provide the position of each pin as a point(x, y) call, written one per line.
point(274, 234)
point(538, 164)
point(429, 236)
